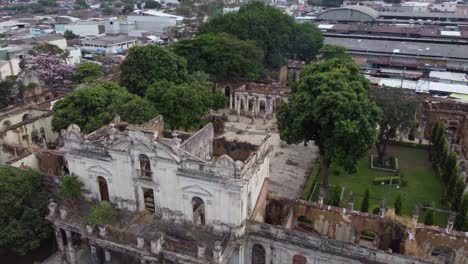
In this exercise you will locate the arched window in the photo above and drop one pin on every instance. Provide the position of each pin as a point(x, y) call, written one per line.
point(258, 254)
point(26, 117)
point(103, 190)
point(145, 166)
point(299, 259)
point(6, 123)
point(198, 206)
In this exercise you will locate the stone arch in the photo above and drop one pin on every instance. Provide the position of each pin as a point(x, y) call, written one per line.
point(277, 102)
point(145, 166)
point(103, 188)
point(299, 259)
point(242, 104)
point(368, 238)
point(26, 116)
point(258, 254)
point(442, 254)
point(227, 91)
point(6, 123)
point(35, 137)
point(262, 106)
point(198, 207)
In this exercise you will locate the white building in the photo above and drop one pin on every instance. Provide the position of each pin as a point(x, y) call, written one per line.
point(449, 7)
point(137, 169)
point(83, 29)
point(449, 77)
point(108, 44)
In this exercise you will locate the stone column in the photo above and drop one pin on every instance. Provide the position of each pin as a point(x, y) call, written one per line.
point(59, 238)
point(107, 255)
point(230, 101)
point(351, 202)
point(94, 256)
point(383, 207)
point(451, 221)
point(415, 214)
point(71, 250)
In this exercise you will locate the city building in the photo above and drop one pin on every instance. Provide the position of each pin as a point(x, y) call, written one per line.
point(108, 44)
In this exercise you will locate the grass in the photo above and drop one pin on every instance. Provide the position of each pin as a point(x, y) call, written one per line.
point(424, 187)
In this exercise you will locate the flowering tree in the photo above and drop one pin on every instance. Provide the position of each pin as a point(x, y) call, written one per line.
point(51, 69)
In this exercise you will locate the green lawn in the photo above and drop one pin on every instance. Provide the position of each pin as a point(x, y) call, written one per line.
point(423, 185)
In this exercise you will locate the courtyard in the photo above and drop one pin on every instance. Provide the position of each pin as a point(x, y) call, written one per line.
point(423, 185)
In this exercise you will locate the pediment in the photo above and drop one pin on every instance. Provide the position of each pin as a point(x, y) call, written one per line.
point(195, 189)
point(99, 170)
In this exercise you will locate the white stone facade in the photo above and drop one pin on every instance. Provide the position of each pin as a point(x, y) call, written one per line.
point(176, 175)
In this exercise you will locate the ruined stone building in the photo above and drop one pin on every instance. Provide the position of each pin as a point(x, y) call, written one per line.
point(24, 129)
point(194, 198)
point(454, 115)
point(256, 99)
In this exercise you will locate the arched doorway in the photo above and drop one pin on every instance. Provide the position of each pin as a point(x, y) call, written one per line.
point(258, 254)
point(198, 206)
point(242, 105)
point(262, 105)
point(103, 190)
point(26, 117)
point(7, 123)
point(145, 167)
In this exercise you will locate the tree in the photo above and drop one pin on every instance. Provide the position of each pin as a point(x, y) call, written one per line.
point(96, 106)
point(219, 100)
point(182, 105)
point(128, 8)
point(81, 4)
point(51, 70)
point(330, 105)
point(146, 64)
point(23, 207)
point(50, 50)
point(6, 87)
point(329, 52)
point(450, 168)
point(398, 204)
point(306, 42)
point(457, 193)
point(87, 72)
point(68, 34)
point(365, 201)
point(152, 5)
point(429, 220)
point(223, 56)
point(272, 30)
point(462, 215)
point(106, 9)
point(101, 214)
point(398, 115)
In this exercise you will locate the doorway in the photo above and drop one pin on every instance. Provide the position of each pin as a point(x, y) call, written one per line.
point(103, 190)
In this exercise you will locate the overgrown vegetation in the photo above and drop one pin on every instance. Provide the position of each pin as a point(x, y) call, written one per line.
point(101, 214)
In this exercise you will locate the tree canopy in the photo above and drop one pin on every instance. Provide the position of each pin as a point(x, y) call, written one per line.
point(182, 105)
point(68, 34)
point(146, 64)
point(398, 114)
point(272, 30)
point(223, 56)
point(331, 106)
point(6, 93)
point(87, 72)
point(96, 106)
point(329, 52)
point(23, 208)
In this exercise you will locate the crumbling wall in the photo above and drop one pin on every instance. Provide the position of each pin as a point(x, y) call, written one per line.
point(235, 149)
point(427, 240)
point(200, 143)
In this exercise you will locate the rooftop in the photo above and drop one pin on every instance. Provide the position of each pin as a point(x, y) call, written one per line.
point(400, 47)
point(108, 40)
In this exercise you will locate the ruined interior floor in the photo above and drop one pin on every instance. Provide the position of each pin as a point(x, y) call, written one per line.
point(290, 165)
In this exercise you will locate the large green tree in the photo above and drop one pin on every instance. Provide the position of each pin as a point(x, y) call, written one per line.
point(96, 106)
point(23, 207)
point(273, 31)
point(6, 87)
point(87, 72)
point(328, 52)
point(182, 105)
point(331, 106)
point(398, 115)
point(223, 56)
point(147, 64)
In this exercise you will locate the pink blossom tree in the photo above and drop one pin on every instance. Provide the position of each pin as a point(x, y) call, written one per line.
point(51, 69)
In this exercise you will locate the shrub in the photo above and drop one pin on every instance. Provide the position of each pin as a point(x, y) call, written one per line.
point(365, 202)
point(101, 214)
point(71, 187)
point(376, 210)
